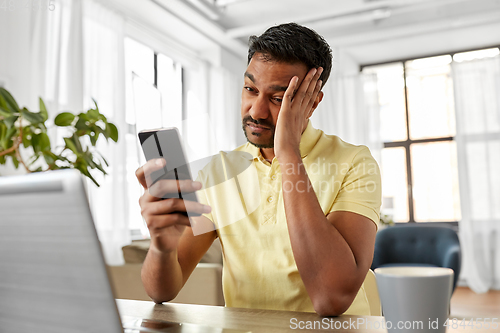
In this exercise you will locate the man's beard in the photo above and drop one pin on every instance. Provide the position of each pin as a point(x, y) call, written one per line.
point(249, 119)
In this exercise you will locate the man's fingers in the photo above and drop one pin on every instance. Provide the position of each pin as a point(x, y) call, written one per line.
point(139, 173)
point(170, 206)
point(155, 165)
point(143, 174)
point(165, 186)
point(302, 92)
point(319, 72)
point(313, 99)
point(158, 222)
point(171, 212)
point(288, 96)
point(311, 89)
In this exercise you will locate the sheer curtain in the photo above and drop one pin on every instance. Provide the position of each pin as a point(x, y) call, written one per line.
point(212, 119)
point(350, 110)
point(104, 81)
point(477, 104)
point(225, 102)
point(42, 57)
point(76, 55)
point(57, 60)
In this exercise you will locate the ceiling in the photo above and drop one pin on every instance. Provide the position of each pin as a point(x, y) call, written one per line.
point(369, 30)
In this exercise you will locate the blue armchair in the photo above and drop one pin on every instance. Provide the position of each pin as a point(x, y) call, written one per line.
point(418, 245)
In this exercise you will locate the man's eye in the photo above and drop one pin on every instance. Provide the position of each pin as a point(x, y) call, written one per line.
point(249, 89)
point(278, 99)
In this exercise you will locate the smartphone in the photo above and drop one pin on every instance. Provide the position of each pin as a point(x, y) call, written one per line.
point(166, 143)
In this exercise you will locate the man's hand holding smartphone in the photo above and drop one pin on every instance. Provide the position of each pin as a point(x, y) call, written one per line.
point(166, 218)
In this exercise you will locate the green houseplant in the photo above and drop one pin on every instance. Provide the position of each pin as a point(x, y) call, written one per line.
point(386, 221)
point(20, 127)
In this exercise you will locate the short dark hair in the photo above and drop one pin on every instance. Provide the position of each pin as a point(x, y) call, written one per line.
point(291, 43)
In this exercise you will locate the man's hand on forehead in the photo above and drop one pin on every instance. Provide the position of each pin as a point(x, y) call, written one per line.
point(298, 105)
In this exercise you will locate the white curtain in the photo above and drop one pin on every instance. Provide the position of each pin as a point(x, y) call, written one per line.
point(212, 121)
point(350, 110)
point(76, 55)
point(56, 56)
point(225, 102)
point(477, 104)
point(104, 81)
point(42, 57)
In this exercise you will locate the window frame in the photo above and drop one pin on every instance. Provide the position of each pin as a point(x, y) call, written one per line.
point(136, 234)
point(406, 144)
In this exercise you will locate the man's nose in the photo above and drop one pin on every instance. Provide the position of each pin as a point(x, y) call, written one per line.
point(259, 108)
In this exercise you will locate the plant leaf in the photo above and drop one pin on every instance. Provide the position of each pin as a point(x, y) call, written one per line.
point(103, 118)
point(71, 145)
point(26, 134)
point(64, 160)
point(10, 121)
point(49, 158)
point(76, 141)
point(100, 168)
point(90, 160)
point(4, 112)
point(100, 115)
point(93, 138)
point(99, 130)
point(34, 118)
point(3, 130)
point(7, 137)
point(3, 104)
point(9, 100)
point(43, 110)
point(96, 107)
point(84, 116)
point(112, 132)
point(35, 142)
point(64, 119)
point(44, 142)
point(83, 169)
point(105, 161)
point(80, 124)
point(34, 158)
point(95, 164)
point(93, 114)
point(15, 161)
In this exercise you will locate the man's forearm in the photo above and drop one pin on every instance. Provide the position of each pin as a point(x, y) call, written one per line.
point(324, 259)
point(161, 275)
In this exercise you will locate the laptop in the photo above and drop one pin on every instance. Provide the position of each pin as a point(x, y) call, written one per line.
point(53, 276)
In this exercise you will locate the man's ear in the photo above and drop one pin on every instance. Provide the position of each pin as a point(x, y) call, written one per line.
point(319, 98)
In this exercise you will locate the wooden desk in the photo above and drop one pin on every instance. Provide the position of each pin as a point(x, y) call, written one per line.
point(256, 320)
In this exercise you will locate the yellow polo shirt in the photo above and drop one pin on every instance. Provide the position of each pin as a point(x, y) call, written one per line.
point(244, 191)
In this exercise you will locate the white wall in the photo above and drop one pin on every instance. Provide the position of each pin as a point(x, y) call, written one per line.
point(344, 64)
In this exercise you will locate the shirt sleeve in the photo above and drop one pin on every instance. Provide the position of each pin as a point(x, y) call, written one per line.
point(361, 189)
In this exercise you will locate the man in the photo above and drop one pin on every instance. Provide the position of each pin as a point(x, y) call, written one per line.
point(309, 245)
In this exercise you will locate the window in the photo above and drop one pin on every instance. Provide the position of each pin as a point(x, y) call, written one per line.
point(419, 158)
point(154, 89)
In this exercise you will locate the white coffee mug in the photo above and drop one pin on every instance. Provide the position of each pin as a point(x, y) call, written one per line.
point(415, 299)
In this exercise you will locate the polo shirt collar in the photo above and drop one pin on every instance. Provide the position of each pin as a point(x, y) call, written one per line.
point(309, 139)
point(307, 142)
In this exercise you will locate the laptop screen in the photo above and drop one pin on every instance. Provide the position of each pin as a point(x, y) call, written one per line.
point(52, 271)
